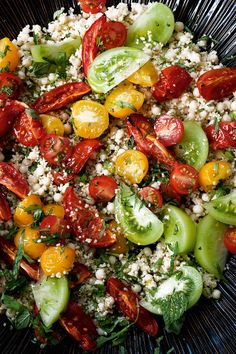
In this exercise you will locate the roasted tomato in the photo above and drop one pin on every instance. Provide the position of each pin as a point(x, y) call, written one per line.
point(80, 326)
point(173, 81)
point(13, 180)
point(62, 177)
point(52, 224)
point(169, 193)
point(56, 149)
point(113, 34)
point(230, 239)
point(5, 211)
point(10, 55)
point(223, 137)
point(10, 86)
point(127, 303)
point(92, 6)
point(86, 222)
point(8, 114)
point(184, 179)
point(60, 96)
point(151, 196)
point(79, 274)
point(102, 188)
point(216, 84)
point(169, 130)
point(142, 123)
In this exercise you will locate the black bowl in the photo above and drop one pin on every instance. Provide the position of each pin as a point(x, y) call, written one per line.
point(210, 327)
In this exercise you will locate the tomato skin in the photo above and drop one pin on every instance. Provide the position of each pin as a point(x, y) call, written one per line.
point(169, 130)
point(113, 34)
point(146, 76)
point(184, 179)
point(89, 46)
point(31, 247)
point(60, 96)
point(54, 209)
point(151, 195)
point(61, 178)
point(57, 259)
point(230, 240)
point(80, 273)
point(10, 60)
point(142, 123)
point(8, 114)
point(56, 150)
point(103, 188)
point(127, 303)
point(169, 193)
point(13, 180)
point(223, 138)
point(216, 84)
point(173, 81)
point(212, 173)
point(28, 131)
point(9, 82)
point(92, 6)
point(53, 224)
point(5, 211)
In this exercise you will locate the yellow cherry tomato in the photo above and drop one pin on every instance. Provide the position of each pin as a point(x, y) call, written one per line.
point(212, 173)
point(9, 58)
point(146, 76)
point(90, 119)
point(52, 124)
point(31, 247)
point(57, 259)
point(121, 244)
point(54, 209)
point(24, 212)
point(123, 101)
point(132, 165)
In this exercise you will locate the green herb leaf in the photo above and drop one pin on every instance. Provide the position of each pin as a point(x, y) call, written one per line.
point(36, 38)
point(11, 232)
point(216, 125)
point(116, 338)
point(23, 319)
point(4, 52)
point(123, 104)
point(19, 255)
point(11, 303)
point(31, 112)
point(173, 307)
point(7, 89)
point(40, 68)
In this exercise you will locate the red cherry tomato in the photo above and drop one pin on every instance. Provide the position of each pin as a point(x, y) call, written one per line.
point(89, 43)
point(127, 303)
point(56, 149)
point(8, 114)
point(224, 137)
point(173, 81)
point(28, 130)
point(113, 34)
point(230, 240)
point(184, 179)
point(62, 178)
point(60, 96)
point(78, 274)
point(13, 180)
point(216, 84)
point(80, 326)
point(92, 6)
point(10, 86)
point(52, 224)
point(169, 193)
point(142, 123)
point(102, 188)
point(151, 195)
point(5, 211)
point(169, 130)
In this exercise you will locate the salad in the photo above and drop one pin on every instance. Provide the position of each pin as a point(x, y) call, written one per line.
point(117, 174)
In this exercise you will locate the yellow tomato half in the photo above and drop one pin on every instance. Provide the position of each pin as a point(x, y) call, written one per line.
point(212, 173)
point(146, 76)
point(52, 124)
point(54, 209)
point(24, 212)
point(57, 259)
point(31, 247)
point(9, 55)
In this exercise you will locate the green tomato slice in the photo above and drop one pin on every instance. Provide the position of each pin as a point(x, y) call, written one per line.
point(224, 209)
point(179, 228)
point(114, 66)
point(155, 24)
point(51, 296)
point(210, 251)
point(194, 147)
point(140, 225)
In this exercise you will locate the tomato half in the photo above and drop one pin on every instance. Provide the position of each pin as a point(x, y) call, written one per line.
point(13, 180)
point(10, 55)
point(113, 34)
point(62, 177)
point(151, 196)
point(5, 211)
point(8, 114)
point(169, 130)
point(146, 76)
point(230, 240)
point(102, 188)
point(184, 179)
point(55, 149)
point(10, 86)
point(169, 193)
point(31, 247)
point(142, 123)
point(79, 274)
point(57, 259)
point(224, 137)
point(92, 6)
point(212, 173)
point(53, 224)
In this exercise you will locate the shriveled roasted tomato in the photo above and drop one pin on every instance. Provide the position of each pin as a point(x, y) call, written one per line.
point(151, 196)
point(80, 326)
point(113, 34)
point(230, 239)
point(184, 179)
point(5, 211)
point(127, 303)
point(8, 114)
point(79, 274)
point(13, 180)
point(223, 137)
point(56, 149)
point(173, 81)
point(10, 86)
point(60, 96)
point(102, 188)
point(62, 177)
point(169, 130)
point(169, 193)
point(142, 123)
point(53, 224)
point(216, 84)
point(86, 222)
point(89, 43)
point(92, 6)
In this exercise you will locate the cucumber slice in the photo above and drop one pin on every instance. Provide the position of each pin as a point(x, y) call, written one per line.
point(224, 209)
point(194, 147)
point(139, 224)
point(114, 66)
point(179, 228)
point(210, 251)
point(156, 22)
point(51, 296)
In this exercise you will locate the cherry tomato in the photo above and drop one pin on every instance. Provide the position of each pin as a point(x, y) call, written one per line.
point(173, 81)
point(54, 209)
point(23, 215)
point(184, 179)
point(80, 326)
point(10, 55)
point(56, 150)
point(92, 6)
point(212, 173)
point(62, 177)
point(60, 96)
point(151, 196)
point(79, 274)
point(230, 240)
point(57, 259)
point(31, 246)
point(223, 137)
point(10, 86)
point(52, 124)
point(52, 224)
point(142, 123)
point(169, 193)
point(102, 188)
point(127, 303)
point(8, 114)
point(216, 84)
point(169, 130)
point(13, 180)
point(113, 34)
point(146, 76)
point(120, 247)
point(5, 211)
point(89, 43)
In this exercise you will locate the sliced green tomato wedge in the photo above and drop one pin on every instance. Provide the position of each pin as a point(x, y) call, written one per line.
point(210, 251)
point(114, 66)
point(138, 223)
point(224, 209)
point(51, 296)
point(155, 24)
point(194, 147)
point(179, 228)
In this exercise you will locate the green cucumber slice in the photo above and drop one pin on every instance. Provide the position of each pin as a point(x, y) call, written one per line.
point(223, 209)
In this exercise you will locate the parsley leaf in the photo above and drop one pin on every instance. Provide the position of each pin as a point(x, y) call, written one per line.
point(7, 89)
point(19, 255)
point(36, 38)
point(123, 104)
point(23, 318)
point(116, 337)
point(31, 112)
point(4, 52)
